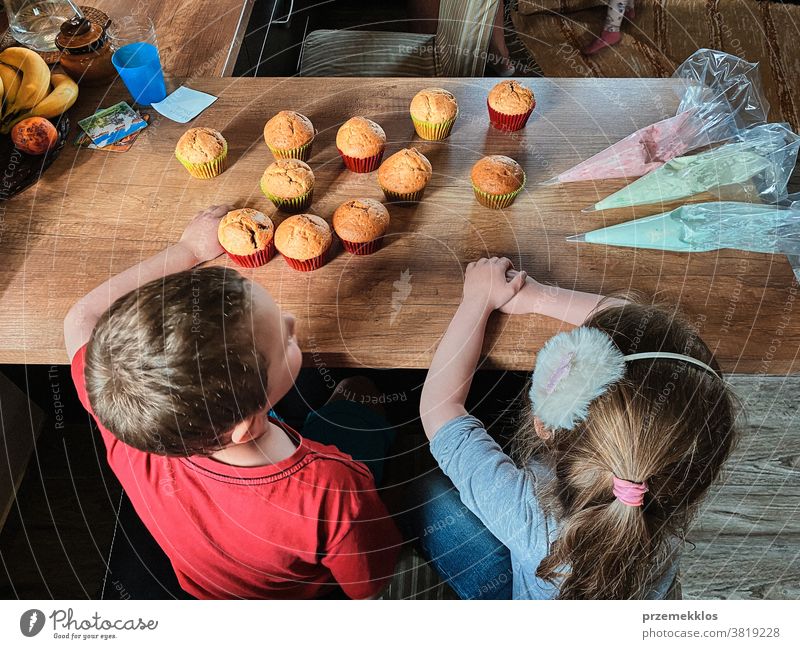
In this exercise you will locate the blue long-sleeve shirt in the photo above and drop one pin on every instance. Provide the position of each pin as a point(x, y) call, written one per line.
point(504, 497)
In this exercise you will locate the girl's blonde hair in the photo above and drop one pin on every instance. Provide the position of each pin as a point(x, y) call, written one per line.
point(666, 422)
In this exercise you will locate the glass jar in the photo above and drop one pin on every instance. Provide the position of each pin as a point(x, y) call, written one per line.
point(85, 51)
point(35, 23)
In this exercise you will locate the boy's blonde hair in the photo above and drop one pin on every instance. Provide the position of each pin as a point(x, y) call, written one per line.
point(666, 422)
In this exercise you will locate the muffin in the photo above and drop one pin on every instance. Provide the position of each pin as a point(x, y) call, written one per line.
point(361, 143)
point(289, 184)
point(304, 241)
point(289, 135)
point(497, 179)
point(247, 236)
point(360, 224)
point(510, 105)
point(203, 151)
point(433, 111)
point(404, 175)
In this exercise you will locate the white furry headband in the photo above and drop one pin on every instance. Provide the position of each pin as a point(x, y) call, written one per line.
point(574, 368)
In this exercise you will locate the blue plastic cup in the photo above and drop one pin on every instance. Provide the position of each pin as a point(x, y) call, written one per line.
point(140, 68)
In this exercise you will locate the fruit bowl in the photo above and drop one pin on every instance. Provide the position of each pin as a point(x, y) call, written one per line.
point(18, 170)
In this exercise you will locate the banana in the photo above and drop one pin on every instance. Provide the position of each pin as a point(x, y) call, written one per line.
point(64, 94)
point(35, 81)
point(10, 80)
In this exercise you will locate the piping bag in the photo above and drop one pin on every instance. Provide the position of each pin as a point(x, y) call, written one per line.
point(762, 156)
point(702, 227)
point(722, 95)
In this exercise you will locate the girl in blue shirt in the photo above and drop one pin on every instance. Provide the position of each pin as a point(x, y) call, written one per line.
point(629, 424)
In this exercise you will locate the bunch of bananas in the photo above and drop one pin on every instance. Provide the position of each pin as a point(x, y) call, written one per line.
point(25, 81)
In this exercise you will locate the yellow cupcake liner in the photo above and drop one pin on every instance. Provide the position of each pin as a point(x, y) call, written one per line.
point(400, 197)
point(497, 201)
point(297, 204)
point(206, 170)
point(299, 153)
point(433, 130)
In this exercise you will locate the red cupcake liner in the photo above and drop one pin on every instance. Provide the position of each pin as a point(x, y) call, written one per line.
point(256, 259)
point(506, 122)
point(366, 248)
point(362, 165)
point(306, 265)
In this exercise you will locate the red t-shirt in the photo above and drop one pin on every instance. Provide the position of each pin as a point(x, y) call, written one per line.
point(288, 530)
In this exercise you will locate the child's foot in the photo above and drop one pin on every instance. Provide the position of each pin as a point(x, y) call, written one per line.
point(630, 13)
point(606, 39)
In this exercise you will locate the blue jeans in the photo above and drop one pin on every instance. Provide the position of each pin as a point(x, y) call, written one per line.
point(466, 554)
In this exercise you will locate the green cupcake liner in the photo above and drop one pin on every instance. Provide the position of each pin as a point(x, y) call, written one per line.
point(407, 197)
point(297, 204)
point(209, 169)
point(299, 153)
point(433, 131)
point(497, 201)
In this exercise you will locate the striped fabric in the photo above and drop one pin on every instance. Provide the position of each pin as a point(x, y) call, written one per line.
point(459, 48)
point(343, 53)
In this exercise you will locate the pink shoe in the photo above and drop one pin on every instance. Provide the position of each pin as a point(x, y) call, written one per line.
point(630, 13)
point(607, 39)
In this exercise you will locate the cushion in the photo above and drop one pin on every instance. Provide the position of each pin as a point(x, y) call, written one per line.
point(346, 53)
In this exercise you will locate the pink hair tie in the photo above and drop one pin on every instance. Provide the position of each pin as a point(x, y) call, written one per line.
point(630, 493)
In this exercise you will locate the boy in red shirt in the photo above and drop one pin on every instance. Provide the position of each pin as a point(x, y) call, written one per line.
point(180, 369)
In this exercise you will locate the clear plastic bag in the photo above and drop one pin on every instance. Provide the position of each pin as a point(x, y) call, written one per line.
point(758, 163)
point(722, 95)
point(702, 227)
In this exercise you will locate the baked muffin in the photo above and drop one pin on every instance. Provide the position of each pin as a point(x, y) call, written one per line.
point(289, 135)
point(404, 175)
point(203, 151)
point(289, 184)
point(361, 143)
point(433, 111)
point(360, 225)
point(247, 235)
point(304, 241)
point(510, 105)
point(497, 179)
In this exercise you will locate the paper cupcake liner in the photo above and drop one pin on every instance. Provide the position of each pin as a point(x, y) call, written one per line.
point(496, 201)
point(362, 165)
point(365, 248)
point(408, 197)
point(299, 153)
point(306, 265)
point(255, 260)
point(206, 170)
point(506, 122)
point(297, 204)
point(433, 131)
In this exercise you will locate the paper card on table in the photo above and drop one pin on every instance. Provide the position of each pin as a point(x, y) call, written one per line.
point(184, 104)
point(85, 142)
point(112, 124)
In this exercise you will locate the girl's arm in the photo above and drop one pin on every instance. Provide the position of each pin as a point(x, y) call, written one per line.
point(559, 303)
point(444, 394)
point(198, 243)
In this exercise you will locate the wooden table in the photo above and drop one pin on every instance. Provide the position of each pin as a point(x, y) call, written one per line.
point(195, 37)
point(94, 214)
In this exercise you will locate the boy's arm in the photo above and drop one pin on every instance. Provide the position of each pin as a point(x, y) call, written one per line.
point(486, 288)
point(559, 303)
point(198, 243)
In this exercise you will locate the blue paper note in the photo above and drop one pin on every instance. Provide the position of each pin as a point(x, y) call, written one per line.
point(184, 104)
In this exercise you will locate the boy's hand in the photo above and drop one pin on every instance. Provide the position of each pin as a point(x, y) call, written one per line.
point(200, 236)
point(486, 285)
point(525, 300)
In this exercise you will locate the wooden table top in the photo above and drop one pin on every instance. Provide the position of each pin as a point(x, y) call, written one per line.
point(197, 38)
point(94, 214)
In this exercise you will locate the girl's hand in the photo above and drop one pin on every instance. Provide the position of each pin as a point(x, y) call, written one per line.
point(486, 285)
point(526, 300)
point(200, 236)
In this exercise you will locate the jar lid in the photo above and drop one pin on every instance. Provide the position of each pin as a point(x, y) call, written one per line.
point(78, 35)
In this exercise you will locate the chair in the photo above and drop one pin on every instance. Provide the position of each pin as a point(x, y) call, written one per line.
point(458, 49)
